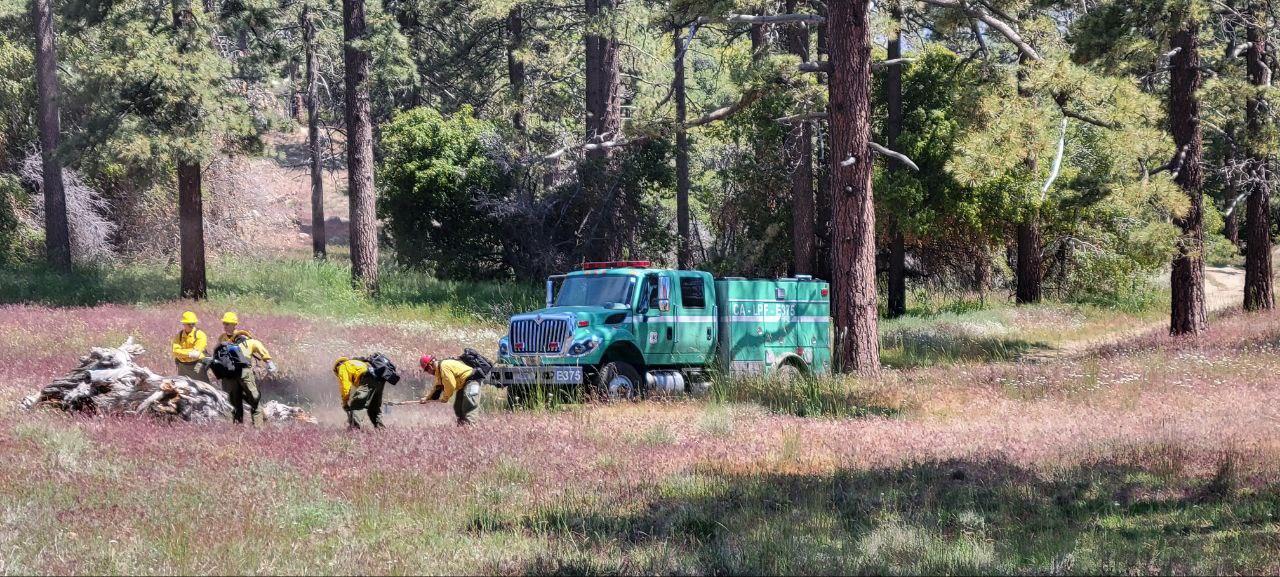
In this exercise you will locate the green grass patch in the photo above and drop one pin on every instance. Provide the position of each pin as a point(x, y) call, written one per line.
point(285, 285)
point(823, 396)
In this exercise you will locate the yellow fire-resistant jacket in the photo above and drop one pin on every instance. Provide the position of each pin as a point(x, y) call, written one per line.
point(349, 373)
point(451, 375)
point(188, 347)
point(252, 347)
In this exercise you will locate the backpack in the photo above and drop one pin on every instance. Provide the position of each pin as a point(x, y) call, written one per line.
point(228, 360)
point(381, 368)
point(477, 361)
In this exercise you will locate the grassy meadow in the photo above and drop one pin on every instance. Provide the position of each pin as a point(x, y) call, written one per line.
point(1140, 455)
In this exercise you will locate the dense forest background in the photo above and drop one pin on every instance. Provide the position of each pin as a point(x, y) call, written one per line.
point(1072, 150)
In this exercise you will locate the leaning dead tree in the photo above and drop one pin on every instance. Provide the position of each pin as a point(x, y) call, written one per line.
point(108, 382)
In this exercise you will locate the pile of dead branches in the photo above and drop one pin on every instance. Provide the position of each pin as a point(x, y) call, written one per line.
point(108, 382)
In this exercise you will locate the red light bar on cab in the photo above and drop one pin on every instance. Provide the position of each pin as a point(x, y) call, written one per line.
point(616, 264)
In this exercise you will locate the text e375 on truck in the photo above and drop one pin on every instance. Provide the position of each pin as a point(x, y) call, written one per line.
point(620, 330)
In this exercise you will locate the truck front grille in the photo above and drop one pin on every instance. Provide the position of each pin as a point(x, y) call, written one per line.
point(529, 337)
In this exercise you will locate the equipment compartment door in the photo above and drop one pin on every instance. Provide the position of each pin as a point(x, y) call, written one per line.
point(695, 323)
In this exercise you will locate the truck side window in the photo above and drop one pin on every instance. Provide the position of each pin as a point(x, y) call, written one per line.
point(693, 292)
point(651, 289)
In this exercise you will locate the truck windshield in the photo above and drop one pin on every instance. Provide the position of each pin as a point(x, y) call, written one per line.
point(595, 291)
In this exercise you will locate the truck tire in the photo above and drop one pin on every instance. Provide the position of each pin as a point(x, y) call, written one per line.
point(618, 381)
point(790, 373)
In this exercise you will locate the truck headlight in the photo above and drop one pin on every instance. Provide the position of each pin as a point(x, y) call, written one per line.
point(504, 347)
point(582, 347)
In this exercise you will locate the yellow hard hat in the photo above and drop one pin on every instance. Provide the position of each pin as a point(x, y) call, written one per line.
point(189, 318)
point(231, 318)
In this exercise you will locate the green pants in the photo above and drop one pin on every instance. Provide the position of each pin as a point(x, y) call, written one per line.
point(465, 401)
point(242, 391)
point(191, 371)
point(367, 396)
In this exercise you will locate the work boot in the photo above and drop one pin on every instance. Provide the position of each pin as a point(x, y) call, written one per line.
point(377, 421)
point(352, 424)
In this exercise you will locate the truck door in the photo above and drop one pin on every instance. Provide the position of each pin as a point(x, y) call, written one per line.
point(695, 320)
point(655, 326)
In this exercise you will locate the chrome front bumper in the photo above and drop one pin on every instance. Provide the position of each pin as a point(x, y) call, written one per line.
point(505, 376)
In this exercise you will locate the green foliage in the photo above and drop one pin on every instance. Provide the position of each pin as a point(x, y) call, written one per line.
point(435, 182)
point(17, 242)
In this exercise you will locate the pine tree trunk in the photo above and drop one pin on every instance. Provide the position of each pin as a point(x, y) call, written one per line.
point(822, 194)
point(57, 234)
point(1258, 293)
point(364, 220)
point(897, 285)
point(318, 234)
point(190, 195)
point(191, 231)
point(515, 66)
point(1030, 271)
point(981, 271)
point(853, 254)
point(602, 239)
point(1187, 313)
point(799, 145)
point(683, 251)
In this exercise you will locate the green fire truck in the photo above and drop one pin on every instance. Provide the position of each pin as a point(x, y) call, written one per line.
point(621, 330)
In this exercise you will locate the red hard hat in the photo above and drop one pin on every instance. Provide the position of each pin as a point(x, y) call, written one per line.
point(426, 362)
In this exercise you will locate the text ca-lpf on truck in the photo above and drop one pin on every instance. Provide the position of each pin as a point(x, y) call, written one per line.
point(620, 330)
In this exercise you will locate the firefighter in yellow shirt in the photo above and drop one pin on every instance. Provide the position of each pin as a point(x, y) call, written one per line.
point(360, 384)
point(242, 386)
point(188, 348)
point(454, 378)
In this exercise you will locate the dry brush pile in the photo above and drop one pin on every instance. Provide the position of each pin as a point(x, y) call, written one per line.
point(108, 382)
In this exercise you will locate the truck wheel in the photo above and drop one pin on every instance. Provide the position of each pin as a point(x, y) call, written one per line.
point(789, 373)
point(618, 381)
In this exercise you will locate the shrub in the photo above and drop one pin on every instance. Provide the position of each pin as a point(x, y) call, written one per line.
point(435, 184)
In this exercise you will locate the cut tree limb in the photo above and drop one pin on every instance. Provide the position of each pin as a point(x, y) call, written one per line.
point(898, 156)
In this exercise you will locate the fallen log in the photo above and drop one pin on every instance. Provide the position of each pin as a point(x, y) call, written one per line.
point(108, 382)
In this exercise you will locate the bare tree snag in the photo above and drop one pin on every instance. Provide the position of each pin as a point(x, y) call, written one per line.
point(1187, 312)
point(57, 234)
point(853, 260)
point(364, 219)
point(1258, 292)
point(318, 233)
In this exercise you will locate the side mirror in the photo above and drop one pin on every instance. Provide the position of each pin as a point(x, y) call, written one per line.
point(664, 294)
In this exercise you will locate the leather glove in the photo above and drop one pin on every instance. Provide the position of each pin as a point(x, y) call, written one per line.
point(271, 367)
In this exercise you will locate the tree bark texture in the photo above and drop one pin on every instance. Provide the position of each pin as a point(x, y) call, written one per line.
point(190, 196)
point(364, 219)
point(515, 66)
point(822, 194)
point(683, 249)
point(1187, 313)
point(602, 238)
point(1258, 292)
point(799, 145)
point(1030, 265)
point(318, 233)
point(853, 255)
point(897, 285)
point(191, 231)
point(57, 233)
